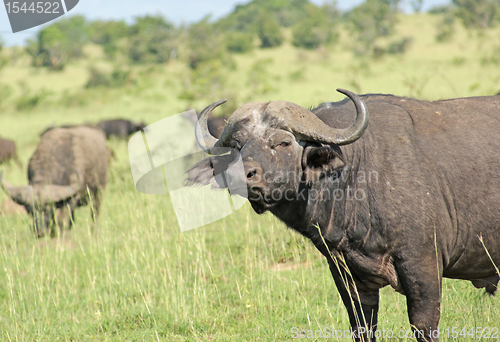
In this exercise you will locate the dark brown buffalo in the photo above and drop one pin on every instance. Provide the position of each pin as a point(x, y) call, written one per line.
point(68, 170)
point(8, 152)
point(120, 128)
point(405, 200)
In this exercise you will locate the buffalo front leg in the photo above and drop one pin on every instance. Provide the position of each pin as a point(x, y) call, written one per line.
point(95, 203)
point(421, 283)
point(361, 305)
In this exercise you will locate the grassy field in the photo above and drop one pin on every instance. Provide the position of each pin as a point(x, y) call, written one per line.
point(245, 277)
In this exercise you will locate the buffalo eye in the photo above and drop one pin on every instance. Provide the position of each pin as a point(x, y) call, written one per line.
point(284, 144)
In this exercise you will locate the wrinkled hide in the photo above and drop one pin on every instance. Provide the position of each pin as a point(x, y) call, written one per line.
point(410, 200)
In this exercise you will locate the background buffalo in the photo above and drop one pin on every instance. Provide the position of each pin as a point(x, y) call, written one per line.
point(68, 170)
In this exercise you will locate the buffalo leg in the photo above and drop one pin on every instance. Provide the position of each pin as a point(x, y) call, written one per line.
point(95, 203)
point(423, 296)
point(362, 316)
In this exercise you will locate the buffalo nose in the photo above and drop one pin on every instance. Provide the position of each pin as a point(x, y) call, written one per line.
point(241, 174)
point(253, 172)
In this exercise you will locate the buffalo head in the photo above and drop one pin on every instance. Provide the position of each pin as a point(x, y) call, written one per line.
point(48, 204)
point(282, 146)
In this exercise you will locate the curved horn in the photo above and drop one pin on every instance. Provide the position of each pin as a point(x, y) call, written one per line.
point(203, 136)
point(22, 195)
point(29, 195)
point(55, 193)
point(307, 126)
point(356, 130)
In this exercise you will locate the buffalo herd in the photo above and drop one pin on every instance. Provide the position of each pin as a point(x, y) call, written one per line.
point(390, 190)
point(68, 169)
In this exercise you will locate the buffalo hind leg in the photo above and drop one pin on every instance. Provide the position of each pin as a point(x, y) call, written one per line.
point(362, 316)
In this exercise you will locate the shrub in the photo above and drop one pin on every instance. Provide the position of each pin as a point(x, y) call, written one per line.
point(399, 46)
point(29, 101)
point(5, 91)
point(206, 81)
point(239, 42)
point(269, 31)
point(153, 40)
point(58, 43)
point(107, 34)
point(445, 28)
point(479, 14)
point(117, 78)
point(205, 44)
point(371, 20)
point(316, 29)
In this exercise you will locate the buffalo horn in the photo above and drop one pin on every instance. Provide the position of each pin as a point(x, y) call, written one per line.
point(203, 136)
point(20, 194)
point(40, 195)
point(302, 122)
point(307, 126)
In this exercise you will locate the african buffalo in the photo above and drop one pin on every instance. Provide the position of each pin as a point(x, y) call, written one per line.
point(391, 190)
point(120, 128)
point(68, 169)
point(8, 152)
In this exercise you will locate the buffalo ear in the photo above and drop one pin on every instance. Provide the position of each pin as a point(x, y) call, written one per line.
point(320, 161)
point(209, 171)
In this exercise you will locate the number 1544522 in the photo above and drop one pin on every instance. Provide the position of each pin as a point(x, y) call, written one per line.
point(33, 7)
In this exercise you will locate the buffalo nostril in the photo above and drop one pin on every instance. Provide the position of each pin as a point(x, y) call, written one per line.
point(251, 173)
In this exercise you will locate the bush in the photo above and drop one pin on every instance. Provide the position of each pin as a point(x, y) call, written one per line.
point(58, 43)
point(316, 29)
point(399, 46)
point(269, 31)
point(107, 34)
point(205, 44)
point(445, 28)
point(5, 91)
point(29, 101)
point(246, 18)
point(239, 42)
point(206, 81)
point(117, 78)
point(153, 40)
point(79, 99)
point(478, 14)
point(371, 20)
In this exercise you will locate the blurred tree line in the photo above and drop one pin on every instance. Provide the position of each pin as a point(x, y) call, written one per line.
point(207, 47)
point(259, 23)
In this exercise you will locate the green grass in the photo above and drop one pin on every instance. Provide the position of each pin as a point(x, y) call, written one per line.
point(245, 277)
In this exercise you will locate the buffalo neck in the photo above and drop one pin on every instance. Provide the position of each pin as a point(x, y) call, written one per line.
point(328, 205)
